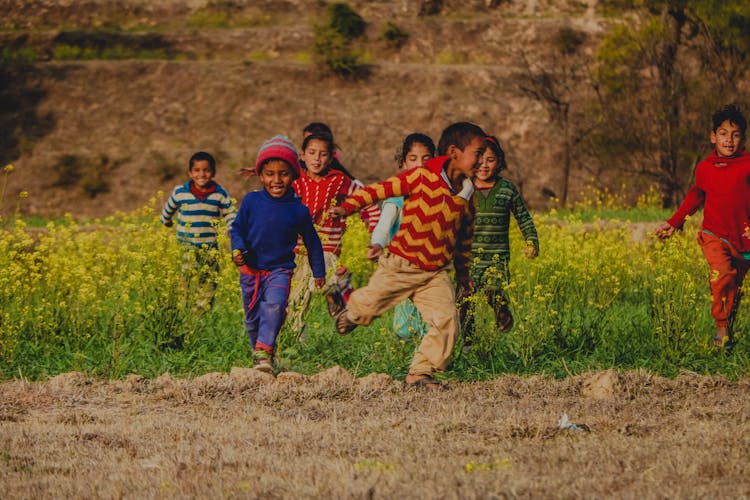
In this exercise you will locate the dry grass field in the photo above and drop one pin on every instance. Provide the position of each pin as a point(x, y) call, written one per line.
point(246, 434)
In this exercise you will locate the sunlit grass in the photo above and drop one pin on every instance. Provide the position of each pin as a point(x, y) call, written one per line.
point(108, 297)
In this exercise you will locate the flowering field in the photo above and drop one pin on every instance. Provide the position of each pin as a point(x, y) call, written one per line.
point(111, 297)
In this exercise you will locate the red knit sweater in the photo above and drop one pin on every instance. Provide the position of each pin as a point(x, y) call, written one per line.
point(319, 196)
point(723, 186)
point(436, 225)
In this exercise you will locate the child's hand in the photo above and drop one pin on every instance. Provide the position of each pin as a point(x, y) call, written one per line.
point(167, 223)
point(238, 258)
point(531, 251)
point(664, 231)
point(465, 288)
point(336, 212)
point(319, 282)
point(374, 251)
point(247, 172)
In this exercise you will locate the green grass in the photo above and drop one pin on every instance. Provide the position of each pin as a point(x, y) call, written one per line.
point(108, 297)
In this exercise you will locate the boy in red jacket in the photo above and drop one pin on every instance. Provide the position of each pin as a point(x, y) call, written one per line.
point(722, 185)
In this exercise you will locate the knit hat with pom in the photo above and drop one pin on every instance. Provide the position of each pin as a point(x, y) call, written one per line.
point(278, 147)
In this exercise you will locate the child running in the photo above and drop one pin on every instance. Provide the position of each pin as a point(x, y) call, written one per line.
point(416, 150)
point(722, 186)
point(199, 204)
point(495, 199)
point(319, 187)
point(264, 236)
point(434, 238)
point(369, 215)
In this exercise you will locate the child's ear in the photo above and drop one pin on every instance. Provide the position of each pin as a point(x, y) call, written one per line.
point(452, 151)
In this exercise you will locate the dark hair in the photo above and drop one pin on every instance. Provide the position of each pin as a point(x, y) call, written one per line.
point(412, 139)
point(321, 131)
point(203, 156)
point(732, 113)
point(494, 144)
point(460, 135)
point(317, 127)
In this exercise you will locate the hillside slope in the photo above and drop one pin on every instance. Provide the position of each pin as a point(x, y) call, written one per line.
point(129, 126)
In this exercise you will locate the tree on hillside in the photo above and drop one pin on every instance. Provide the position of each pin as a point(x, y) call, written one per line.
point(559, 90)
point(658, 78)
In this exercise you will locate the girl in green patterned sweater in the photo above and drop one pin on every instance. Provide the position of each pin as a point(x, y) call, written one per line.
point(495, 199)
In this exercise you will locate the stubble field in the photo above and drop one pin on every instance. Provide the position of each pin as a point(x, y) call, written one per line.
point(246, 434)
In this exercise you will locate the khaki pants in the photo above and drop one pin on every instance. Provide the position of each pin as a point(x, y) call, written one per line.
point(396, 279)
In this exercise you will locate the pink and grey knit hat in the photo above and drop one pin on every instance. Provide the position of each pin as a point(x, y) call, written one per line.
point(278, 147)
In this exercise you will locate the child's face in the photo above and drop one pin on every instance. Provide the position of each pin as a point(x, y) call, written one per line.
point(417, 156)
point(276, 177)
point(200, 173)
point(467, 161)
point(317, 157)
point(487, 166)
point(728, 139)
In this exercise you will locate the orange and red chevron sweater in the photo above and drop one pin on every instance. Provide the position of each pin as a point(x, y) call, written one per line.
point(437, 225)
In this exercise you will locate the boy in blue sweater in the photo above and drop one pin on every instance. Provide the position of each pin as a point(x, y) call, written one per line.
point(264, 235)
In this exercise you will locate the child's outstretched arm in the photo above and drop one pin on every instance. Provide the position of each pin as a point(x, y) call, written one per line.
point(692, 202)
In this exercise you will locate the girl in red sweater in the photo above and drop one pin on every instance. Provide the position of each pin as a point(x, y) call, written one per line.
point(319, 187)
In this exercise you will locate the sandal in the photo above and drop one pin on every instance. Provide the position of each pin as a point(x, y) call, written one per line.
point(343, 324)
point(504, 320)
point(721, 339)
point(425, 382)
point(335, 303)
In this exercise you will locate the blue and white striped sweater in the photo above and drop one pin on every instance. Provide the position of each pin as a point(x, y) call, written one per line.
point(196, 218)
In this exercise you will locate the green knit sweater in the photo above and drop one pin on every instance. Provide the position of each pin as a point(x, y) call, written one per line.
point(492, 224)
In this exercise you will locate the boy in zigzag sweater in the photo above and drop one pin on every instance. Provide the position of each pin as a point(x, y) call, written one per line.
point(434, 237)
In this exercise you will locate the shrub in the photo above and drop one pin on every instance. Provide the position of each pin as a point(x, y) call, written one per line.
point(333, 41)
point(394, 36)
point(346, 21)
point(68, 170)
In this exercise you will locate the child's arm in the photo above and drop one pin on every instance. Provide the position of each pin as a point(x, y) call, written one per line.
point(381, 235)
point(169, 209)
point(464, 239)
point(314, 250)
point(237, 230)
point(228, 210)
point(525, 224)
point(400, 185)
point(692, 202)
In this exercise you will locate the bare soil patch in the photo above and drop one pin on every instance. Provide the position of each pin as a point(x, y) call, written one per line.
point(336, 436)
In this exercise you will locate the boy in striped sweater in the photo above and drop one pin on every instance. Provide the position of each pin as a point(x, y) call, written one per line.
point(199, 204)
point(434, 238)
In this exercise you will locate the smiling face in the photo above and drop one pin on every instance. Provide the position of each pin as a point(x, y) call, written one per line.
point(276, 176)
point(317, 157)
point(488, 165)
point(465, 163)
point(200, 173)
point(417, 156)
point(727, 138)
